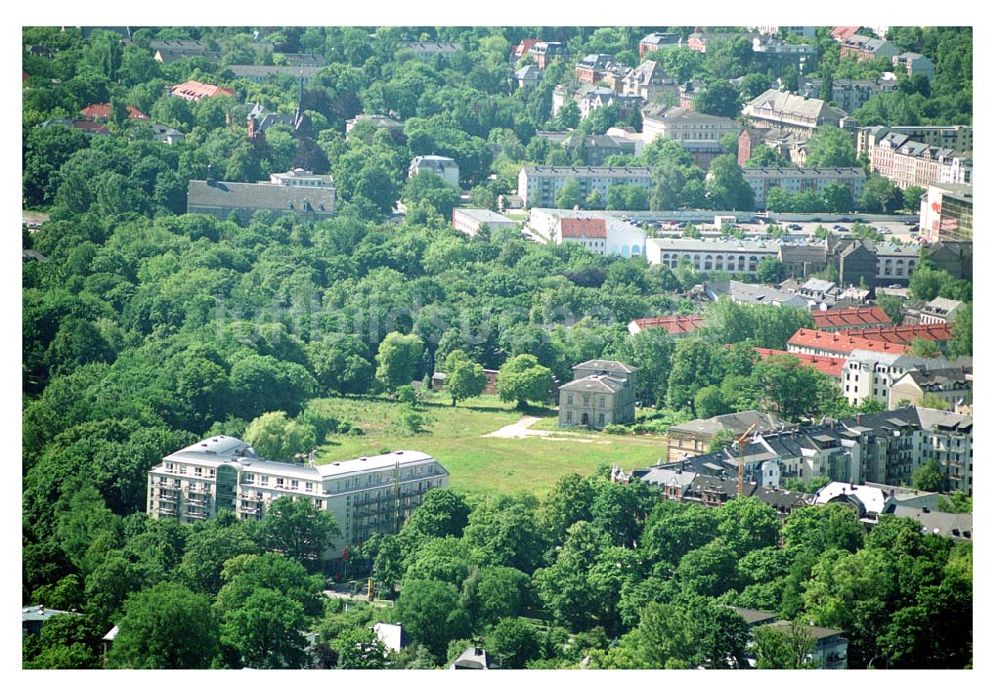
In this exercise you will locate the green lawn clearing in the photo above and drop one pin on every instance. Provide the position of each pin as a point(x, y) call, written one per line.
point(454, 436)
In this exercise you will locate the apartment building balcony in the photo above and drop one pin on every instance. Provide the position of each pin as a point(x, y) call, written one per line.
point(168, 496)
point(172, 511)
point(196, 515)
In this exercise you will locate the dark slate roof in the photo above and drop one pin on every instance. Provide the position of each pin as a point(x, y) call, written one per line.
point(601, 365)
point(753, 617)
point(259, 196)
point(598, 384)
point(260, 70)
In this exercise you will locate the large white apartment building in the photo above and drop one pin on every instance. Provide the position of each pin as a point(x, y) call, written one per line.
point(892, 378)
point(538, 186)
point(366, 495)
point(706, 255)
point(800, 179)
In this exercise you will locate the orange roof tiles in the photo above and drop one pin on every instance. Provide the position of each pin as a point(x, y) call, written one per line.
point(851, 317)
point(903, 335)
point(583, 228)
point(677, 324)
point(195, 90)
point(831, 366)
point(840, 33)
point(838, 343)
point(103, 111)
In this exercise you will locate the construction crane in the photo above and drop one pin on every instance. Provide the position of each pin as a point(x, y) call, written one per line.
point(739, 472)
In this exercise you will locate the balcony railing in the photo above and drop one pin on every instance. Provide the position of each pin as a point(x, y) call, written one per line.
point(169, 497)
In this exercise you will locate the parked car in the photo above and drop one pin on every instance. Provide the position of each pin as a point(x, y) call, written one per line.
point(842, 229)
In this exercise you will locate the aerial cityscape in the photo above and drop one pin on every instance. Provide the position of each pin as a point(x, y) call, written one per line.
point(497, 348)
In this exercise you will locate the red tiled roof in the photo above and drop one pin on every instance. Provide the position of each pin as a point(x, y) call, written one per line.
point(850, 317)
point(583, 228)
point(843, 32)
point(673, 324)
point(903, 335)
point(831, 366)
point(524, 46)
point(195, 90)
point(91, 126)
point(836, 341)
point(103, 111)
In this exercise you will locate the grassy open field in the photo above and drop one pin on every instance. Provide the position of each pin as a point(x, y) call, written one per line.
point(454, 436)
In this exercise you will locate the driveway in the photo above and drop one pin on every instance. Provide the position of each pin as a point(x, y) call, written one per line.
point(522, 429)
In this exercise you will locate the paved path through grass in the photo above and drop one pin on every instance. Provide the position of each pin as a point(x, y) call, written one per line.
point(522, 429)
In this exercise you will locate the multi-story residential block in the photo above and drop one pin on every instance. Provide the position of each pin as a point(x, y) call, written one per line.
point(951, 386)
point(538, 186)
point(800, 179)
point(886, 448)
point(194, 91)
point(429, 51)
point(657, 40)
point(546, 52)
point(914, 64)
point(776, 109)
point(872, 374)
point(594, 67)
point(940, 311)
point(365, 496)
point(648, 81)
point(913, 436)
point(469, 220)
point(907, 162)
point(444, 167)
point(862, 48)
point(955, 138)
point(223, 198)
point(732, 256)
point(847, 94)
point(776, 54)
point(589, 98)
point(837, 344)
point(697, 133)
point(602, 392)
point(946, 213)
point(695, 437)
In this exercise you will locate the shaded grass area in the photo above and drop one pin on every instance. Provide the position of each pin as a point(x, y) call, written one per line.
point(454, 436)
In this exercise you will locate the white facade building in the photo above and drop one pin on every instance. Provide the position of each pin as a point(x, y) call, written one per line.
point(706, 255)
point(302, 178)
point(366, 495)
point(445, 167)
